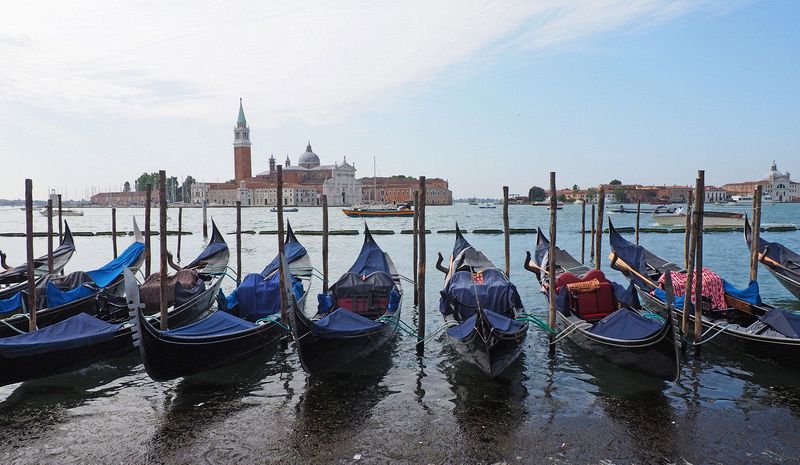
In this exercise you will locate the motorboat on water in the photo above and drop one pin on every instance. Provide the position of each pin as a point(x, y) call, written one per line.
point(711, 218)
point(487, 205)
point(368, 211)
point(748, 199)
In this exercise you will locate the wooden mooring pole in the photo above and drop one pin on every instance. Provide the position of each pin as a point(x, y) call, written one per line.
point(180, 232)
point(324, 243)
point(205, 218)
point(49, 235)
point(506, 234)
point(699, 200)
point(114, 231)
point(29, 253)
point(551, 264)
point(147, 201)
point(284, 303)
point(162, 232)
point(415, 246)
point(421, 267)
point(599, 229)
point(687, 237)
point(756, 233)
point(690, 252)
point(638, 215)
point(591, 236)
point(583, 231)
point(238, 242)
point(60, 220)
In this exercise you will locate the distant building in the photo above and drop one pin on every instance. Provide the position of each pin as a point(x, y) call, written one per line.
point(715, 194)
point(115, 199)
point(776, 184)
point(400, 189)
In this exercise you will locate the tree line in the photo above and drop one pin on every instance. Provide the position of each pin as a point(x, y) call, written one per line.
point(176, 192)
point(538, 194)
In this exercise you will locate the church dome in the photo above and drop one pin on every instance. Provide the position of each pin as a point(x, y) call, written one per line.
point(308, 159)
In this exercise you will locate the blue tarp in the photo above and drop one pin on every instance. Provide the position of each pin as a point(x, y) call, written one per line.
point(56, 296)
point(80, 330)
point(786, 323)
point(627, 325)
point(464, 329)
point(258, 297)
point(344, 323)
point(662, 296)
point(630, 253)
point(293, 251)
point(216, 324)
point(502, 323)
point(370, 259)
point(749, 294)
point(108, 273)
point(11, 304)
point(465, 293)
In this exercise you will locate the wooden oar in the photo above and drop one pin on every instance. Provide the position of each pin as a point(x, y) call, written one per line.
point(532, 267)
point(625, 267)
point(762, 257)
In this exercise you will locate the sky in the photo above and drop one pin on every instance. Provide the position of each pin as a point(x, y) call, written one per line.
point(483, 94)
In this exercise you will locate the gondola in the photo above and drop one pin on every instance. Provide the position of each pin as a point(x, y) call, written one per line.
point(62, 297)
point(357, 316)
point(15, 278)
point(604, 317)
point(782, 262)
point(481, 307)
point(246, 323)
point(105, 331)
point(745, 324)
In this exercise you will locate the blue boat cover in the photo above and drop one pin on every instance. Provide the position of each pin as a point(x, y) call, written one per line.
point(293, 250)
point(11, 304)
point(216, 324)
point(464, 329)
point(630, 253)
point(258, 297)
point(215, 245)
point(343, 323)
point(749, 294)
point(56, 296)
point(662, 296)
point(467, 291)
point(786, 323)
point(78, 331)
point(627, 325)
point(503, 324)
point(370, 259)
point(108, 273)
point(461, 244)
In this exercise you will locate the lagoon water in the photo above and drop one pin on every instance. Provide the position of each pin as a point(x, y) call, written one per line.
point(571, 408)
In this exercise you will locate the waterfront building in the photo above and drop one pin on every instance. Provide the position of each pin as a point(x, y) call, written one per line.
point(776, 184)
point(715, 194)
point(123, 199)
point(400, 189)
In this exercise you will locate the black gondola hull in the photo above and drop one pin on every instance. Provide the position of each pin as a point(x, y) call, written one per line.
point(790, 284)
point(490, 353)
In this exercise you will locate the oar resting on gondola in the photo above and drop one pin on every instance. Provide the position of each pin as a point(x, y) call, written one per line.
point(15, 277)
point(482, 306)
point(103, 331)
point(781, 261)
point(737, 319)
point(245, 323)
point(356, 317)
point(604, 317)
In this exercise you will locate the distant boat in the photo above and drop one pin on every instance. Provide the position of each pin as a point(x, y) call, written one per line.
point(285, 209)
point(487, 205)
point(473, 201)
point(369, 211)
point(748, 199)
point(64, 212)
point(710, 218)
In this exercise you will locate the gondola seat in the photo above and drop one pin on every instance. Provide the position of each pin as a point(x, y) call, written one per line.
point(591, 296)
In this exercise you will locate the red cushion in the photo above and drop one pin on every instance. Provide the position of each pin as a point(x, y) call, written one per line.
point(594, 274)
point(566, 278)
point(587, 303)
point(605, 298)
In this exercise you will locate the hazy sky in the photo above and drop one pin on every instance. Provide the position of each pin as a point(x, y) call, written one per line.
point(93, 93)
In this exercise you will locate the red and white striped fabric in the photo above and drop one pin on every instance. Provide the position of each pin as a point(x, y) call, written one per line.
point(712, 287)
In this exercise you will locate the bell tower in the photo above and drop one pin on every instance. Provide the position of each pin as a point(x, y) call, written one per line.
point(242, 166)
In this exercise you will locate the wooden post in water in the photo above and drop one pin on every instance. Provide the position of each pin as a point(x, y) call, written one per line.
point(147, 201)
point(205, 218)
point(49, 235)
point(238, 242)
point(60, 221)
point(583, 231)
point(324, 243)
point(29, 252)
point(415, 246)
point(284, 303)
point(506, 233)
point(551, 263)
point(687, 237)
point(691, 251)
point(599, 229)
point(756, 233)
point(421, 267)
point(114, 230)
point(699, 200)
point(591, 236)
point(638, 215)
point(180, 232)
point(162, 232)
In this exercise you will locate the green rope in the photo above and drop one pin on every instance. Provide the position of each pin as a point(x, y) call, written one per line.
point(401, 325)
point(537, 321)
point(273, 319)
point(654, 316)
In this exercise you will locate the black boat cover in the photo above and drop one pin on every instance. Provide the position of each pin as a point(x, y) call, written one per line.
point(626, 324)
point(499, 323)
point(786, 323)
point(78, 331)
point(489, 289)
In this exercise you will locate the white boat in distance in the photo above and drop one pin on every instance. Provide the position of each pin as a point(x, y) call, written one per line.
point(710, 218)
point(64, 212)
point(487, 205)
point(748, 199)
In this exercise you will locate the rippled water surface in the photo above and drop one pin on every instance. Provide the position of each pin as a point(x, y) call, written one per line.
point(401, 408)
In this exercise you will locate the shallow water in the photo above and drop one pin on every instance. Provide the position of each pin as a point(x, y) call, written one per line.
point(401, 408)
